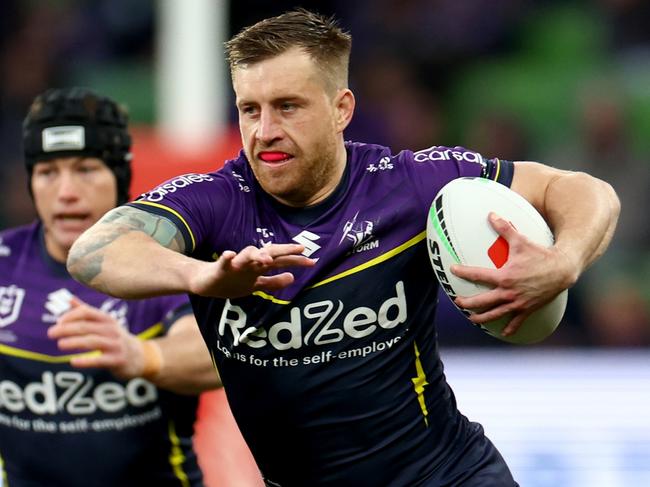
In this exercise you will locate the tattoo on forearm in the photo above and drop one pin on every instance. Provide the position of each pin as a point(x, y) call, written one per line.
point(157, 227)
point(122, 220)
point(88, 252)
point(92, 268)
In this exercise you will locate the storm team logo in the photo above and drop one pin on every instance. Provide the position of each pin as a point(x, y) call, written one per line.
point(359, 234)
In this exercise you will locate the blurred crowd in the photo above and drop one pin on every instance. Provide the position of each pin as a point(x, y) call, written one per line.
point(566, 83)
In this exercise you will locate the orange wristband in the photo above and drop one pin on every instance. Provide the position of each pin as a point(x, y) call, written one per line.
point(153, 360)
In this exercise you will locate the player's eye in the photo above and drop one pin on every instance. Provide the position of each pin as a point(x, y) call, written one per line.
point(85, 169)
point(43, 170)
point(248, 110)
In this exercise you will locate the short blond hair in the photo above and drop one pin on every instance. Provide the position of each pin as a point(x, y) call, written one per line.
point(319, 36)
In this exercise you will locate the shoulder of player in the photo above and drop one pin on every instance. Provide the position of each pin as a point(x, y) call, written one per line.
point(11, 239)
point(188, 183)
point(368, 157)
point(374, 153)
point(437, 153)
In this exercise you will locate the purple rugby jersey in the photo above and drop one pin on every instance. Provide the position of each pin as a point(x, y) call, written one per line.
point(65, 426)
point(336, 380)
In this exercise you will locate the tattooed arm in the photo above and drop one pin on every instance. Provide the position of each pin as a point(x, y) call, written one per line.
point(131, 253)
point(122, 255)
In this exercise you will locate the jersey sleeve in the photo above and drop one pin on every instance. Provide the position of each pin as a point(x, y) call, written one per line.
point(430, 169)
point(196, 203)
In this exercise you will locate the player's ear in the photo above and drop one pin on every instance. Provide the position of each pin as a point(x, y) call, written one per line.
point(344, 105)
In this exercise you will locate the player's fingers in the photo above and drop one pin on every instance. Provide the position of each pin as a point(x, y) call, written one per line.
point(75, 302)
point(272, 283)
point(514, 324)
point(481, 275)
point(228, 255)
point(486, 300)
point(81, 311)
point(95, 359)
point(491, 314)
point(72, 328)
point(226, 258)
point(85, 342)
point(252, 257)
point(102, 327)
point(502, 226)
point(279, 250)
point(293, 261)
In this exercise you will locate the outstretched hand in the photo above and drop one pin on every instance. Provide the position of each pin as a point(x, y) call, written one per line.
point(85, 327)
point(531, 277)
point(237, 274)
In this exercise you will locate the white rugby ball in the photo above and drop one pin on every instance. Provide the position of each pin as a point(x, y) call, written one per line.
point(458, 232)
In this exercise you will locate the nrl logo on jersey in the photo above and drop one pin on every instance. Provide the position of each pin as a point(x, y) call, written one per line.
point(11, 300)
point(360, 234)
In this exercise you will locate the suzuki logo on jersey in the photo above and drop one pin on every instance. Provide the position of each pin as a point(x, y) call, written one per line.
point(58, 302)
point(74, 393)
point(439, 153)
point(172, 186)
point(317, 323)
point(308, 240)
point(360, 234)
point(11, 300)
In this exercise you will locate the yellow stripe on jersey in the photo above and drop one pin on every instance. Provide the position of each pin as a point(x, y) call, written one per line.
point(373, 262)
point(214, 361)
point(151, 332)
point(173, 212)
point(176, 456)
point(4, 482)
point(268, 297)
point(419, 383)
point(496, 177)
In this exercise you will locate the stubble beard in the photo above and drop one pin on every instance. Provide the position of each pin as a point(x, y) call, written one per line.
point(309, 179)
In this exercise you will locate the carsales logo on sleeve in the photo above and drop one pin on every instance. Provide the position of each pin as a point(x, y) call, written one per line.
point(173, 185)
point(441, 153)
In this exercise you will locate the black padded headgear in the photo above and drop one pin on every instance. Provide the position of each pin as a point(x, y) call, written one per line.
point(77, 121)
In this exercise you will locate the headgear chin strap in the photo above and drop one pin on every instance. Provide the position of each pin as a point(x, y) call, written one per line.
point(78, 122)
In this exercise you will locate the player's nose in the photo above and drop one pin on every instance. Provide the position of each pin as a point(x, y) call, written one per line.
point(269, 126)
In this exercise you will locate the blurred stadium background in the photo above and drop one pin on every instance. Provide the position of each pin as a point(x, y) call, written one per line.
point(562, 82)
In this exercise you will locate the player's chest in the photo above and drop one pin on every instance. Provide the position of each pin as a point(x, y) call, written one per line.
point(28, 307)
point(344, 236)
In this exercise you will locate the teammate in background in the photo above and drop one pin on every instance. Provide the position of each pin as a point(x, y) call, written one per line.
point(306, 264)
point(93, 390)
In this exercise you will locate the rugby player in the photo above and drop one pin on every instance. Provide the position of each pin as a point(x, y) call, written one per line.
point(93, 390)
point(306, 264)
